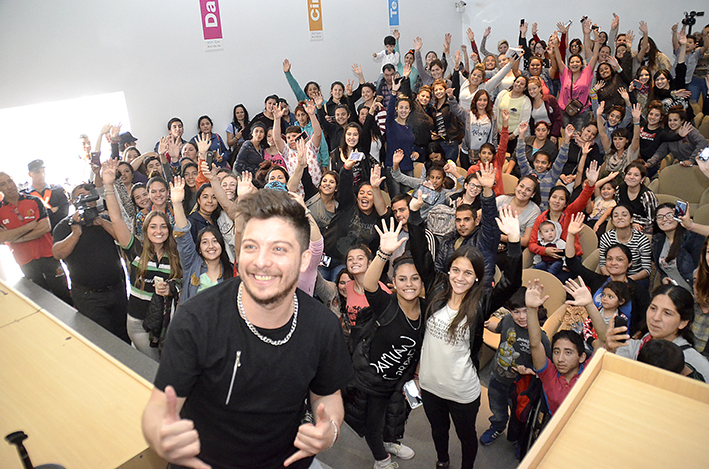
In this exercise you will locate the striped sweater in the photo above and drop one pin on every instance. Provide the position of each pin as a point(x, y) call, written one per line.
point(639, 246)
point(547, 179)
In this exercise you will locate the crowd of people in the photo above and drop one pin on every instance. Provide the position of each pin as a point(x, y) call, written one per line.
point(388, 189)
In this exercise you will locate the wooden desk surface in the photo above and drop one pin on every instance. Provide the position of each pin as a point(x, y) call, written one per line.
point(79, 406)
point(624, 414)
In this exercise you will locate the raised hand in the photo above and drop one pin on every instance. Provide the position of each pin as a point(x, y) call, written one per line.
point(398, 157)
point(418, 44)
point(177, 190)
point(684, 129)
point(471, 35)
point(389, 240)
point(319, 99)
point(348, 87)
point(163, 145)
point(450, 168)
point(570, 131)
point(508, 222)
point(535, 29)
point(301, 148)
point(310, 107)
point(616, 337)
point(534, 296)
point(312, 439)
point(174, 145)
point(523, 126)
point(105, 129)
point(178, 441)
point(506, 118)
point(286, 66)
point(586, 148)
point(244, 185)
point(523, 28)
point(396, 84)
point(115, 133)
point(487, 31)
point(396, 35)
point(643, 28)
point(582, 295)
point(203, 143)
point(210, 174)
point(357, 69)
point(417, 202)
point(615, 22)
point(623, 94)
point(407, 69)
point(592, 172)
point(447, 43)
point(629, 38)
point(277, 113)
point(108, 171)
point(576, 223)
point(637, 112)
point(375, 176)
point(486, 176)
point(449, 92)
point(561, 27)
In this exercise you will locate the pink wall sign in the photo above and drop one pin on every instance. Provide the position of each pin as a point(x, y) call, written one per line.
point(211, 20)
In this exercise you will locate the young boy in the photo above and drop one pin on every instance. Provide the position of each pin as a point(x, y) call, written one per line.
point(550, 236)
point(512, 358)
point(547, 173)
point(389, 55)
point(559, 374)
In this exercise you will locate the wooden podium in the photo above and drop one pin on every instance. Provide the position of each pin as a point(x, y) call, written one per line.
point(79, 406)
point(626, 414)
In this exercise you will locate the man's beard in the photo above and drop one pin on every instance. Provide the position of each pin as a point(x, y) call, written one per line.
point(276, 299)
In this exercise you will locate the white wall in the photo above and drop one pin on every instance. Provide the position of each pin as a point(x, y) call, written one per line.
point(153, 51)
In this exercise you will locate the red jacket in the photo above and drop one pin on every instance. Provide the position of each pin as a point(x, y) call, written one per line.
point(573, 208)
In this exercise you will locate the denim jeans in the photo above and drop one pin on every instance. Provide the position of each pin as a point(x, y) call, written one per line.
point(498, 396)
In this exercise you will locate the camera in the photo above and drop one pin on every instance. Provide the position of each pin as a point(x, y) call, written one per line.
point(690, 19)
point(87, 213)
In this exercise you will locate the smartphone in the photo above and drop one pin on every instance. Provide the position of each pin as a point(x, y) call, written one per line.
point(521, 22)
point(96, 158)
point(356, 156)
point(210, 159)
point(680, 209)
point(325, 260)
point(302, 135)
point(411, 391)
point(704, 154)
point(428, 194)
point(637, 84)
point(620, 321)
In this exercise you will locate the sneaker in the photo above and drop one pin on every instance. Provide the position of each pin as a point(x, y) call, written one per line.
point(489, 436)
point(386, 464)
point(442, 465)
point(399, 450)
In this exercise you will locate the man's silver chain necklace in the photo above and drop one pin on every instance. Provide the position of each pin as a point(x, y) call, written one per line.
point(253, 329)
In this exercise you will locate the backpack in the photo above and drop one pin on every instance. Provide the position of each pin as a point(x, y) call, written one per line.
point(441, 219)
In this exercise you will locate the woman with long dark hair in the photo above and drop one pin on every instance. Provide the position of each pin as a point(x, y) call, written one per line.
point(154, 263)
point(216, 144)
point(393, 324)
point(238, 131)
point(459, 304)
point(205, 263)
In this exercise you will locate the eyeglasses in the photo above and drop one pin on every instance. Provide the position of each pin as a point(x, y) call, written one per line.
point(667, 217)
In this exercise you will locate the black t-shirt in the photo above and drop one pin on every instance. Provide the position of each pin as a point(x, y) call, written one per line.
point(246, 397)
point(53, 196)
point(94, 263)
point(650, 140)
point(395, 346)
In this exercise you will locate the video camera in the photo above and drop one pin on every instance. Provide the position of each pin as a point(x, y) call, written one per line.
point(87, 214)
point(690, 19)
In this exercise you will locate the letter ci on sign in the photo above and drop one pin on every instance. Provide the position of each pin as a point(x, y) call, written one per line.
point(315, 19)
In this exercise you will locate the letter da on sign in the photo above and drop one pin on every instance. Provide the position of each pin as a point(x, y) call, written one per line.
point(210, 19)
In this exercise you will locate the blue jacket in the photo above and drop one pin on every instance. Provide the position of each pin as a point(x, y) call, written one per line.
point(191, 262)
